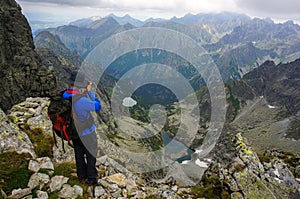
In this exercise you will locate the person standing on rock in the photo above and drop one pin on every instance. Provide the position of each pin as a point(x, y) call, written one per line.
point(84, 102)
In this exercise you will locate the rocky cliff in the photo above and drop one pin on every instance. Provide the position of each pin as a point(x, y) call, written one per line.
point(21, 72)
point(246, 174)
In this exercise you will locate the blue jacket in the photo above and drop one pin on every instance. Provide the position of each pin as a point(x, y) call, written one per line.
point(83, 107)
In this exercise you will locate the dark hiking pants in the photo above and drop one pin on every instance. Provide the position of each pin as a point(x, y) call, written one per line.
point(86, 149)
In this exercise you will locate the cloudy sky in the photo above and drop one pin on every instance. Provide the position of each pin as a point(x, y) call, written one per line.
point(68, 10)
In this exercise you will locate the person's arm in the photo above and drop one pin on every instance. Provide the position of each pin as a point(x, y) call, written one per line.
point(94, 104)
point(66, 95)
point(89, 104)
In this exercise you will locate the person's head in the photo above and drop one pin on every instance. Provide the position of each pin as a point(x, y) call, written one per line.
point(78, 80)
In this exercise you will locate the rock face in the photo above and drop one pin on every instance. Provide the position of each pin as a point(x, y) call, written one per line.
point(22, 74)
point(279, 84)
point(12, 138)
point(245, 176)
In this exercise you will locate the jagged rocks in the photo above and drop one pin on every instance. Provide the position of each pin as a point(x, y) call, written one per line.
point(247, 177)
point(31, 115)
point(22, 74)
point(38, 180)
point(12, 138)
point(20, 193)
point(57, 182)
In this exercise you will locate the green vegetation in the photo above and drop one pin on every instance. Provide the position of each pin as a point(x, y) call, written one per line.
point(263, 157)
point(239, 167)
point(42, 143)
point(14, 171)
point(234, 105)
point(53, 195)
point(212, 188)
point(155, 143)
point(67, 169)
point(140, 113)
point(294, 129)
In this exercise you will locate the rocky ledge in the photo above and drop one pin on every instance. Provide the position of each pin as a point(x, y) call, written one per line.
point(248, 176)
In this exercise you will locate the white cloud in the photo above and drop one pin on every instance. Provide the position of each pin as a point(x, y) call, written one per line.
point(142, 9)
point(277, 9)
point(129, 102)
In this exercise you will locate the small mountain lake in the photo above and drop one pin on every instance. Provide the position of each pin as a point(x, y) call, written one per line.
point(175, 148)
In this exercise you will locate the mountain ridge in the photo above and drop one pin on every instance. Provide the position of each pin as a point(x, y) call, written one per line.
point(22, 74)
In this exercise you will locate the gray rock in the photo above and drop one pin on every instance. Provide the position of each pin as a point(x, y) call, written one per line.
point(57, 182)
point(117, 193)
point(33, 166)
point(170, 195)
point(113, 188)
point(101, 160)
point(183, 190)
point(78, 190)
point(283, 175)
point(12, 138)
point(41, 122)
point(38, 180)
point(99, 191)
point(131, 185)
point(59, 155)
point(40, 163)
point(20, 193)
point(68, 192)
point(104, 183)
point(139, 194)
point(247, 177)
point(42, 195)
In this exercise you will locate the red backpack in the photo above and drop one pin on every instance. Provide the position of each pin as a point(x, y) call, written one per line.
point(64, 127)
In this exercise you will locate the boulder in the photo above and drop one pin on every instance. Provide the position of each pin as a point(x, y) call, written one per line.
point(42, 194)
point(20, 193)
point(118, 179)
point(38, 180)
point(12, 138)
point(40, 163)
point(57, 182)
point(68, 191)
point(99, 191)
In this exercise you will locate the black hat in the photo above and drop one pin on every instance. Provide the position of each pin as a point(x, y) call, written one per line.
point(78, 79)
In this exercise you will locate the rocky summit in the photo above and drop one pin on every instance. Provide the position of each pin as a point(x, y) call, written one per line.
point(21, 72)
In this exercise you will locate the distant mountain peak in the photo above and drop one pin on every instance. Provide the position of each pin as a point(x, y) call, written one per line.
point(95, 18)
point(126, 19)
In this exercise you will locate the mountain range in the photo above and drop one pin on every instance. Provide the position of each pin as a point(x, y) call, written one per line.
point(236, 42)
